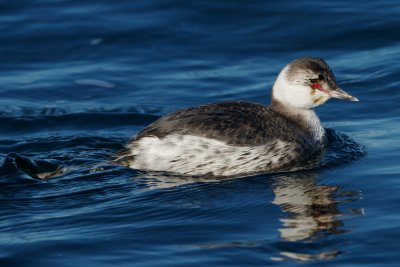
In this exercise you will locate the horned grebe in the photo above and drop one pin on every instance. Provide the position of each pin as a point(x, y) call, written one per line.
point(237, 138)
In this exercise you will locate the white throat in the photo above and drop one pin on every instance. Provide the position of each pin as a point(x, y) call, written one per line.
point(295, 103)
point(293, 90)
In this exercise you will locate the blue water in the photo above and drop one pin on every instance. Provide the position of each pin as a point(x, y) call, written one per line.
point(77, 80)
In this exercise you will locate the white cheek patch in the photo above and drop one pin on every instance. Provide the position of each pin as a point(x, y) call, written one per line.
point(194, 155)
point(292, 93)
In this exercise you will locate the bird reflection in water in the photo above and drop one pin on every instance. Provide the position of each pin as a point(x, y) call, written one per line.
point(310, 211)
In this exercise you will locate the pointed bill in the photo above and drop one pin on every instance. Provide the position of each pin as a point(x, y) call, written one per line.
point(340, 94)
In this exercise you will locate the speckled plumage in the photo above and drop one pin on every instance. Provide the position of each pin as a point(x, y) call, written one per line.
point(250, 138)
point(237, 138)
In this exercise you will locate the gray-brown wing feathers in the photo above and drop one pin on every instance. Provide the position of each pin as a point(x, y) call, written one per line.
point(236, 123)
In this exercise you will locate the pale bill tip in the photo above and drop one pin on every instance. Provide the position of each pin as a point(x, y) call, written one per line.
point(355, 99)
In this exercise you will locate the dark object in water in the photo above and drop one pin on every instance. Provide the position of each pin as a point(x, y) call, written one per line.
point(41, 169)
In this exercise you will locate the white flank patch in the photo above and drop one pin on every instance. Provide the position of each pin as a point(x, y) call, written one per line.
point(194, 155)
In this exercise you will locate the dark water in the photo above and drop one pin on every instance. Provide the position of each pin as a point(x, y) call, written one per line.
point(78, 79)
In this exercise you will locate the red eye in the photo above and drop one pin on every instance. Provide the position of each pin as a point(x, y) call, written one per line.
point(316, 86)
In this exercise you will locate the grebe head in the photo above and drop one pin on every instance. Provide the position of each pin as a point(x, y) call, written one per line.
point(306, 83)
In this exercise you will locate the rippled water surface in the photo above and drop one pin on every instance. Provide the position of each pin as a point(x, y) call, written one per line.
point(77, 80)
